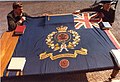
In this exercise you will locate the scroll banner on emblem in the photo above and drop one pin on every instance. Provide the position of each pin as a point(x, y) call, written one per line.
point(76, 52)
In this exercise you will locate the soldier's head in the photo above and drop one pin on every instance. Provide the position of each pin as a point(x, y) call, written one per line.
point(17, 7)
point(106, 4)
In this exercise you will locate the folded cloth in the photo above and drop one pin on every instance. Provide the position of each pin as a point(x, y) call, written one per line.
point(105, 25)
point(116, 54)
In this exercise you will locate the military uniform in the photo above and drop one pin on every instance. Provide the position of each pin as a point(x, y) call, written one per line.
point(109, 16)
point(13, 20)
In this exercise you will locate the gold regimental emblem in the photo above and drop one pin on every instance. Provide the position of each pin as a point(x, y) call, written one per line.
point(63, 39)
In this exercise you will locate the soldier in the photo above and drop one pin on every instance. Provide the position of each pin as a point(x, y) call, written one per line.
point(16, 16)
point(104, 11)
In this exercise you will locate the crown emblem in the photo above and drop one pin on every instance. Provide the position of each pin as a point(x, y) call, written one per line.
point(62, 28)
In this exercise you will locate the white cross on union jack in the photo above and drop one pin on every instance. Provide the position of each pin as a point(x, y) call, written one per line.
point(84, 19)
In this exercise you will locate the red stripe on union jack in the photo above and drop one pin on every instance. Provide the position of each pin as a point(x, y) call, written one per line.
point(112, 38)
point(85, 19)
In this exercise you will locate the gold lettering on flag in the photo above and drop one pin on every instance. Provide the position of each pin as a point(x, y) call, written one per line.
point(45, 55)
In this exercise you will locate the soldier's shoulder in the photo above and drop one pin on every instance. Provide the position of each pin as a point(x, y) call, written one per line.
point(10, 14)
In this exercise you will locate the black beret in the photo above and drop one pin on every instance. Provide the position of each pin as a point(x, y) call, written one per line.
point(105, 1)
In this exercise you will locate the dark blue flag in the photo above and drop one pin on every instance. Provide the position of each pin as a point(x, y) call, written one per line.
point(53, 45)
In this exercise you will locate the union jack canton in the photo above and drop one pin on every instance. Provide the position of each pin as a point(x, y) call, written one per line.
point(86, 20)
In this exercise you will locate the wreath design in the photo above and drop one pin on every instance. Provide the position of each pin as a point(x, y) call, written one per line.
point(62, 44)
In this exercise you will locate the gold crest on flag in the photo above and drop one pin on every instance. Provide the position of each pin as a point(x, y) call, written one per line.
point(63, 39)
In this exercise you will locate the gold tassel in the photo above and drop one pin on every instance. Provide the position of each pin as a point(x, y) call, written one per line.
point(48, 18)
